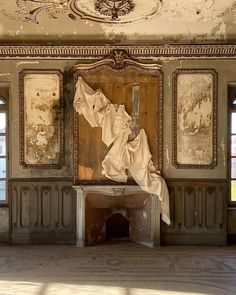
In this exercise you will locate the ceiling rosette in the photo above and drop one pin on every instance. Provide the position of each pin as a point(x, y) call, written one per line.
point(114, 11)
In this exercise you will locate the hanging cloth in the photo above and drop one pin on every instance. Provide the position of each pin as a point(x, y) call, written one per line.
point(123, 155)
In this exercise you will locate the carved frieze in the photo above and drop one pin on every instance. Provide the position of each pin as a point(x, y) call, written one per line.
point(73, 51)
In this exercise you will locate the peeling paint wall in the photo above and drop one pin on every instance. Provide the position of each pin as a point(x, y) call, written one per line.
point(9, 72)
point(178, 20)
point(226, 73)
point(16, 170)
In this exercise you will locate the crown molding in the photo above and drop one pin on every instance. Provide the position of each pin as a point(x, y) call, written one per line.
point(75, 51)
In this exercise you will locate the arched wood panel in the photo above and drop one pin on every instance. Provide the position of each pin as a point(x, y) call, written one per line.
point(117, 86)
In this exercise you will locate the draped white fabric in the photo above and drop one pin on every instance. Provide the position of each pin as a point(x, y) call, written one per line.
point(124, 154)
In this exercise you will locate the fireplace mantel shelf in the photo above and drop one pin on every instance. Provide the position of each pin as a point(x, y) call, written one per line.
point(109, 190)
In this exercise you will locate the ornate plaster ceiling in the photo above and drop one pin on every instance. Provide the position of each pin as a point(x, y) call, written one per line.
point(136, 21)
point(135, 10)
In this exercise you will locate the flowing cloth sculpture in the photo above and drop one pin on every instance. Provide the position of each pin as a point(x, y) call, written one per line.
point(124, 154)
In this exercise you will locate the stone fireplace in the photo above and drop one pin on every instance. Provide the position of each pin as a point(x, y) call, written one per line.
point(111, 212)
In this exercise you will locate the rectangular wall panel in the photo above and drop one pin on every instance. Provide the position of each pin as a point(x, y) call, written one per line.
point(42, 211)
point(198, 213)
point(45, 212)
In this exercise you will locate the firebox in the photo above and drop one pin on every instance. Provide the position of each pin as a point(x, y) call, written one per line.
point(108, 213)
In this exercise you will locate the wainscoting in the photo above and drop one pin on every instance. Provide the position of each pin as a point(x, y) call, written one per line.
point(198, 211)
point(42, 211)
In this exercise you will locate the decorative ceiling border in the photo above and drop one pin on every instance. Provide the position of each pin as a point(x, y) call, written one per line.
point(75, 51)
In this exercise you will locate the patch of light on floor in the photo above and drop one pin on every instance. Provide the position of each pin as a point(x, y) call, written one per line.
point(47, 288)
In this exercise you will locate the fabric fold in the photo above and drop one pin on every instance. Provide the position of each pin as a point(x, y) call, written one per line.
point(133, 155)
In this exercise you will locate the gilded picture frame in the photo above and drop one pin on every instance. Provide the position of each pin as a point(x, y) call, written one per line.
point(41, 119)
point(195, 118)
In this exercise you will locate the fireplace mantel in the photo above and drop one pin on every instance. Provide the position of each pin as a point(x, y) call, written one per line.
point(118, 192)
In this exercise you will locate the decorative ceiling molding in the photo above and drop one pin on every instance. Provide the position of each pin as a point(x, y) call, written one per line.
point(104, 11)
point(118, 60)
point(114, 8)
point(101, 11)
point(29, 9)
point(69, 51)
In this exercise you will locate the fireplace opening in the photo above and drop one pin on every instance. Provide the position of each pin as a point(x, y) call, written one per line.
point(117, 227)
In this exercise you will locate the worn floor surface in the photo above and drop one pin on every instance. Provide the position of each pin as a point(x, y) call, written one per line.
point(117, 269)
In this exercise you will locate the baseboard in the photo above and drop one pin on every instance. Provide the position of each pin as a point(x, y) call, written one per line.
point(4, 237)
point(58, 239)
point(232, 239)
point(194, 239)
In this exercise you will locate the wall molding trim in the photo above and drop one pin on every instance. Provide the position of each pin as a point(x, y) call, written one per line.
point(198, 212)
point(41, 179)
point(42, 212)
point(75, 51)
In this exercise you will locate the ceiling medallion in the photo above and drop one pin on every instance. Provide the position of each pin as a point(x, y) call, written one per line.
point(114, 8)
point(103, 11)
point(115, 11)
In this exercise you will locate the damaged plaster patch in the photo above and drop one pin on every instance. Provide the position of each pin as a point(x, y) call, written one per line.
point(195, 20)
point(168, 81)
point(26, 63)
point(222, 145)
point(186, 19)
point(167, 158)
point(220, 30)
point(116, 38)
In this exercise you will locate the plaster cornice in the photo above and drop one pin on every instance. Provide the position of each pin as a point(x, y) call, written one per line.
point(75, 51)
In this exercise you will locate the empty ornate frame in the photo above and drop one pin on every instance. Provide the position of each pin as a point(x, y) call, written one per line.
point(41, 119)
point(195, 118)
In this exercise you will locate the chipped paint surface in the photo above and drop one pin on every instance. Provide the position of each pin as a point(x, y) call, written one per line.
point(223, 151)
point(175, 20)
point(42, 131)
point(194, 118)
point(167, 158)
point(168, 81)
point(20, 63)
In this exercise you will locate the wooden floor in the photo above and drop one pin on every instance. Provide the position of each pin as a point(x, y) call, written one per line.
point(117, 269)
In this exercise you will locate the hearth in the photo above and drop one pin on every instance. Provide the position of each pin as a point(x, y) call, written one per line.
point(108, 212)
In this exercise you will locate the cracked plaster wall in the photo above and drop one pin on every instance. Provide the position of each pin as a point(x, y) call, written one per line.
point(226, 73)
point(176, 21)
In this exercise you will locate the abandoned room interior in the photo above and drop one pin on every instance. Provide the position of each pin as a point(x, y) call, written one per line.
point(117, 147)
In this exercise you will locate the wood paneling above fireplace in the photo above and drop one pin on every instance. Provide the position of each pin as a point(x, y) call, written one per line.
point(117, 86)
